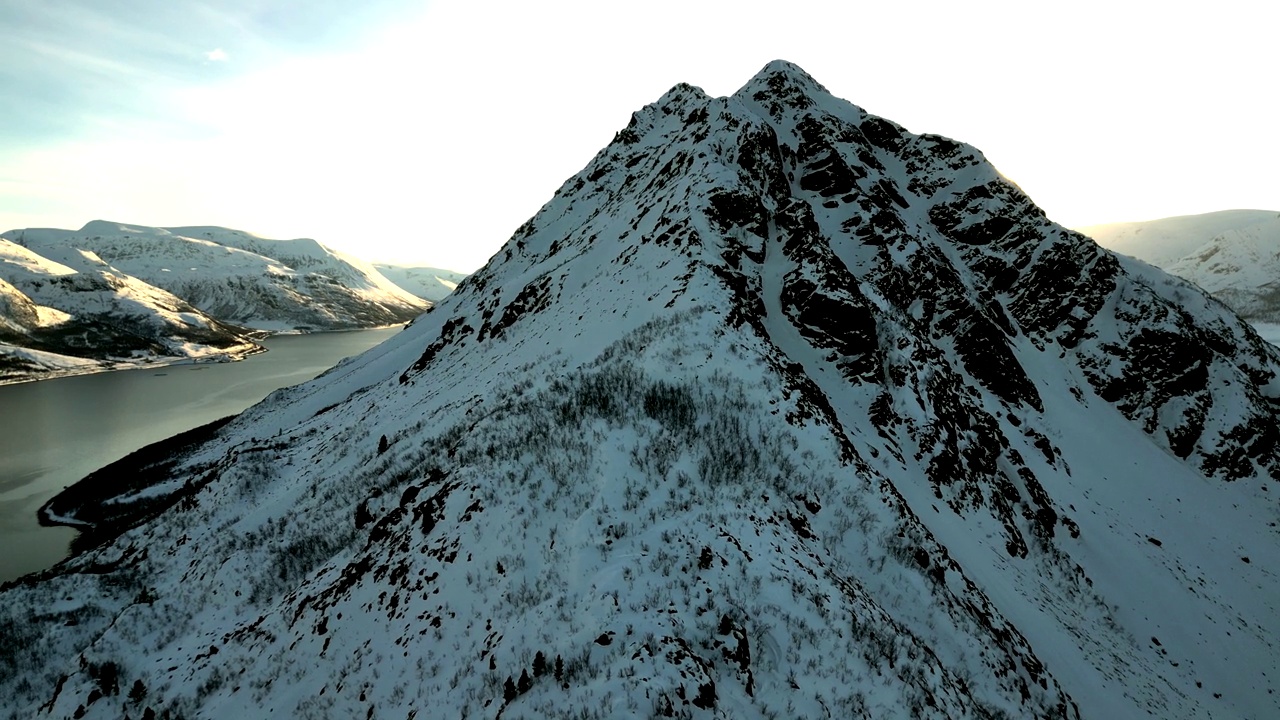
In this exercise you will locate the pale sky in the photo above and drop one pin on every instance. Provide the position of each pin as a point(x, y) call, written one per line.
point(426, 132)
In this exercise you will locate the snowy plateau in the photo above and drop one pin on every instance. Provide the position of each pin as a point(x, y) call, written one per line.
point(112, 295)
point(775, 410)
point(1234, 254)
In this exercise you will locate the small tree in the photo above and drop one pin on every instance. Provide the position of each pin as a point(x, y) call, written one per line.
point(539, 664)
point(509, 690)
point(559, 670)
point(525, 683)
point(382, 444)
point(138, 692)
point(363, 516)
point(704, 560)
point(107, 676)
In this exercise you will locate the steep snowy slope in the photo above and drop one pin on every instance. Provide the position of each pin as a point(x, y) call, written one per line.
point(17, 312)
point(76, 314)
point(1165, 241)
point(774, 410)
point(20, 317)
point(1241, 268)
point(431, 284)
point(243, 279)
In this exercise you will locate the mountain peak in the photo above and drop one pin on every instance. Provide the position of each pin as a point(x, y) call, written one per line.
point(786, 69)
point(682, 93)
point(782, 78)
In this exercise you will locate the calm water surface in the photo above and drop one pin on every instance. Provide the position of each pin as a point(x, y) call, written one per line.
point(54, 432)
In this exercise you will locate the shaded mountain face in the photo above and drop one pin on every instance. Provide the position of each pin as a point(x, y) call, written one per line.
point(17, 311)
point(774, 410)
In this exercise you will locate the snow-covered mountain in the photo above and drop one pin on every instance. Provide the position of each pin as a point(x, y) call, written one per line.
point(240, 278)
point(1165, 241)
point(430, 284)
point(774, 410)
point(1240, 267)
point(1233, 254)
point(236, 280)
point(78, 314)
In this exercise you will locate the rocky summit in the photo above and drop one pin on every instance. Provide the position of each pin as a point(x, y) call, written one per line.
point(775, 410)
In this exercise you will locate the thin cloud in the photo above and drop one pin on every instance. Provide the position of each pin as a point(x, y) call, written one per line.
point(216, 55)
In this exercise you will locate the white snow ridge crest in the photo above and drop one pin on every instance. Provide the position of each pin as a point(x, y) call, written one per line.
point(775, 410)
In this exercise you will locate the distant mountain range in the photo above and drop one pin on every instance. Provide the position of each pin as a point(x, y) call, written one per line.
point(1233, 254)
point(112, 294)
point(78, 314)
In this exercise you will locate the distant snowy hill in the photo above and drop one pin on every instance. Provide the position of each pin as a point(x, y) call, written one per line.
point(213, 282)
point(78, 314)
point(774, 410)
point(1234, 254)
point(1165, 241)
point(243, 279)
point(431, 284)
point(1240, 267)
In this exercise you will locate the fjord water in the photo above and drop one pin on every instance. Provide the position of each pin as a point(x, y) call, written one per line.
point(53, 433)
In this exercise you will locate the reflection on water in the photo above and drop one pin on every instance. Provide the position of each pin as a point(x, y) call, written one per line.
point(53, 433)
point(16, 478)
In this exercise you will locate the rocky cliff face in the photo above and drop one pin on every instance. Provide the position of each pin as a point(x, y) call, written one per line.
point(775, 410)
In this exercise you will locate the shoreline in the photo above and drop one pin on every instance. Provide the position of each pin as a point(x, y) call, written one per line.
point(116, 495)
point(235, 354)
point(115, 365)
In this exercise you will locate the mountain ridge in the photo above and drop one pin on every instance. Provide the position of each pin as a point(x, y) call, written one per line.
point(245, 284)
point(775, 409)
point(251, 281)
point(78, 314)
